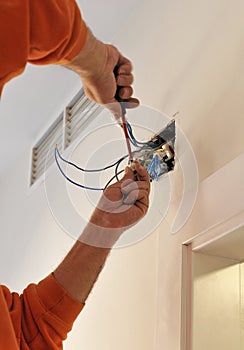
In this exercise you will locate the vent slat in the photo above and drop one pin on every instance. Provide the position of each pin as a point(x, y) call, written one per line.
point(83, 122)
point(46, 147)
point(77, 116)
point(50, 138)
point(41, 159)
point(78, 104)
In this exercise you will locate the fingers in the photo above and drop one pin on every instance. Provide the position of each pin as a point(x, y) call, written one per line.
point(132, 102)
point(142, 173)
point(129, 175)
point(124, 79)
point(129, 186)
point(125, 92)
point(138, 177)
point(139, 198)
point(137, 192)
point(142, 201)
point(125, 65)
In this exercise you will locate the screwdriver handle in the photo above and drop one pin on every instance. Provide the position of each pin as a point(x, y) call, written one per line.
point(119, 99)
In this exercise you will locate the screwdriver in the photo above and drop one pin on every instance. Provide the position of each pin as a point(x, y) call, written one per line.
point(124, 126)
point(123, 118)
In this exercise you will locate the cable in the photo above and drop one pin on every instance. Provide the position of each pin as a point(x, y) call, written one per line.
point(117, 163)
point(129, 135)
point(117, 167)
point(70, 180)
point(132, 137)
point(112, 178)
point(82, 169)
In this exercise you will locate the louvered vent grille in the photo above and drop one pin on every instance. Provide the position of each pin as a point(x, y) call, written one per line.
point(42, 155)
point(76, 117)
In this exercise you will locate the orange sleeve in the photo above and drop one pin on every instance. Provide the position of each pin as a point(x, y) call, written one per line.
point(40, 32)
point(42, 316)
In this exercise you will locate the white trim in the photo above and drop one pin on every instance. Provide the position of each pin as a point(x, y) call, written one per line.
point(221, 199)
point(186, 298)
point(220, 203)
point(218, 232)
point(219, 209)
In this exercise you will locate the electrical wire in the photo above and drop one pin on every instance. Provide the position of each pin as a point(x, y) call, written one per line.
point(155, 167)
point(132, 137)
point(117, 167)
point(112, 178)
point(70, 180)
point(86, 170)
point(117, 163)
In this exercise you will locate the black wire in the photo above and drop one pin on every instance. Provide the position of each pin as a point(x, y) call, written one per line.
point(112, 178)
point(117, 167)
point(117, 164)
point(133, 140)
point(56, 152)
point(70, 180)
point(86, 170)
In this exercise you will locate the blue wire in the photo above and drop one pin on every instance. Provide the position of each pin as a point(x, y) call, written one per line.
point(117, 163)
point(154, 168)
point(71, 181)
point(86, 170)
point(132, 137)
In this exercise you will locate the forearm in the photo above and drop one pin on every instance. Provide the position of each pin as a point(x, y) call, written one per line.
point(78, 272)
point(80, 269)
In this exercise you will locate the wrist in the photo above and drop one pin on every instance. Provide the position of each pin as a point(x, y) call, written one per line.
point(91, 60)
point(100, 236)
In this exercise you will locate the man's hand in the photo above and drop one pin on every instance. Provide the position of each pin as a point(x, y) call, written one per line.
point(95, 64)
point(124, 203)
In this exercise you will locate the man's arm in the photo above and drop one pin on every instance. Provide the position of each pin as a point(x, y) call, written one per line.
point(121, 206)
point(79, 270)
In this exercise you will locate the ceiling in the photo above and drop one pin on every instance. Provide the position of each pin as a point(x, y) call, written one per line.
point(32, 101)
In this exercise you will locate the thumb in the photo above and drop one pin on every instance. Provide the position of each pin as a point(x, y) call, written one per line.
point(129, 175)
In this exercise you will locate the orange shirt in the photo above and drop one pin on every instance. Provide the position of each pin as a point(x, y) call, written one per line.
point(39, 32)
point(39, 319)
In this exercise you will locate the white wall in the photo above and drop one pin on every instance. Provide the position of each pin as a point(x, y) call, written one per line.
point(188, 57)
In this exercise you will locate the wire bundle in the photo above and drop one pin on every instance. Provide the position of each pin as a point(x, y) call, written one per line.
point(132, 137)
point(155, 165)
point(116, 164)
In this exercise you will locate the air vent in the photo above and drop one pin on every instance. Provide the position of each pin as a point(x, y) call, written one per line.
point(42, 156)
point(78, 115)
point(75, 118)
